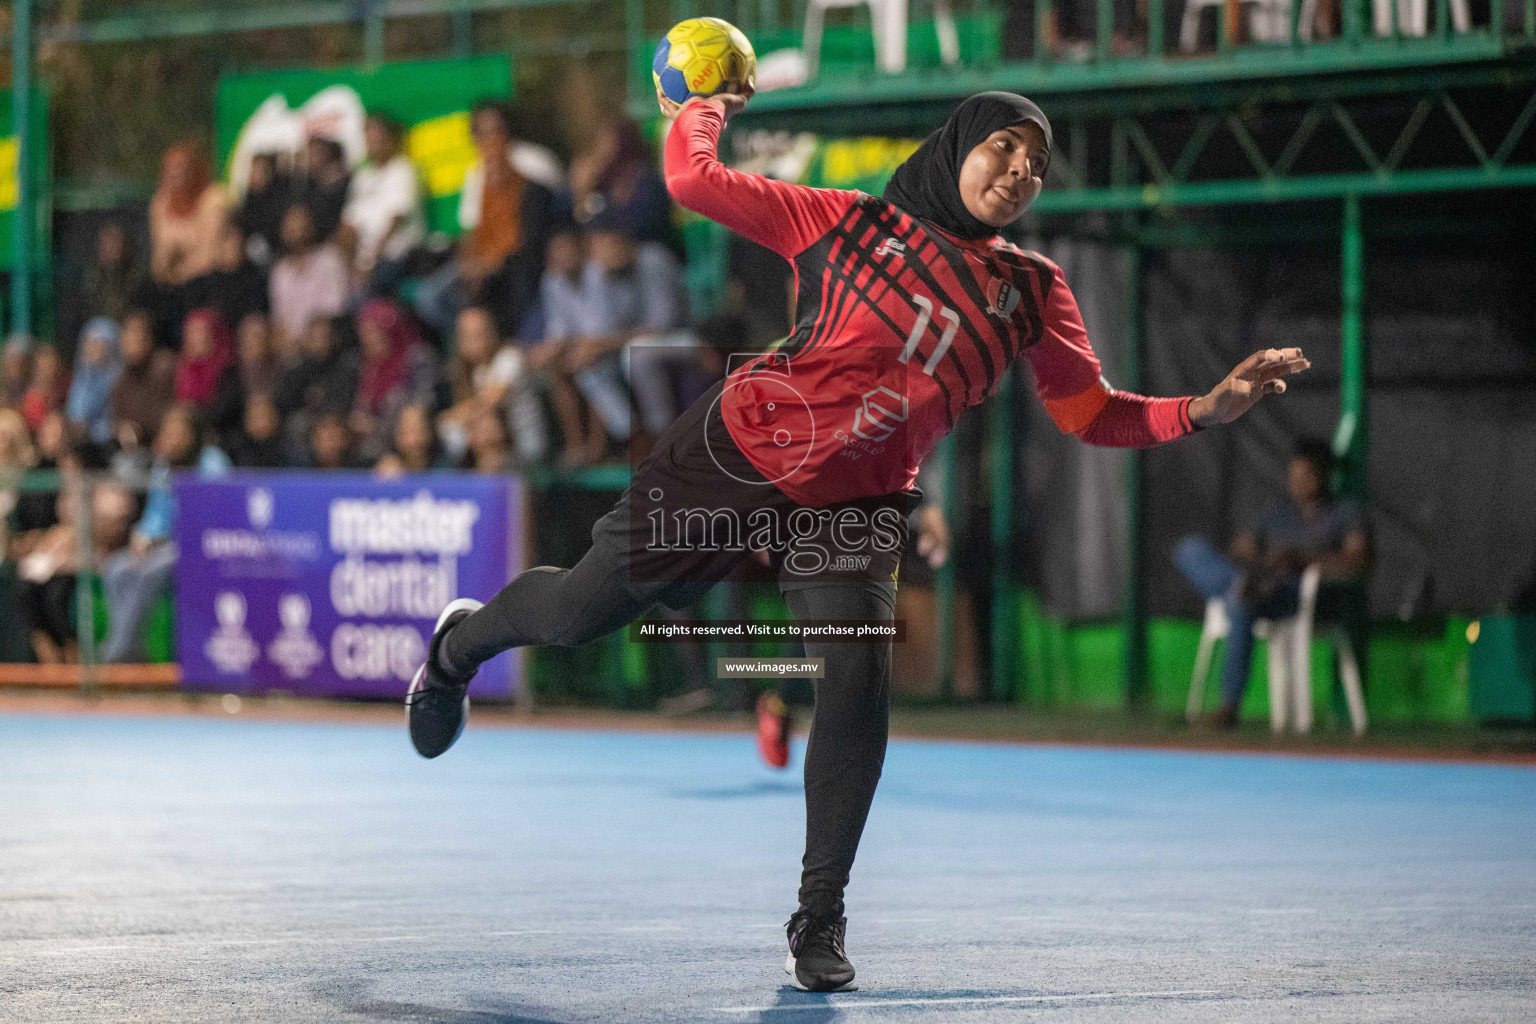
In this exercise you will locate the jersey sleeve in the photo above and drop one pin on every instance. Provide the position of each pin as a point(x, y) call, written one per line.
point(775, 214)
point(1070, 381)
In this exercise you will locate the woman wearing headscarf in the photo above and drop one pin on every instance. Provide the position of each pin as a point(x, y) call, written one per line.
point(910, 309)
point(89, 404)
point(394, 370)
point(207, 373)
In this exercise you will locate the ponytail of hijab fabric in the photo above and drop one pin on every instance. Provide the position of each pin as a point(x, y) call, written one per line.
point(927, 184)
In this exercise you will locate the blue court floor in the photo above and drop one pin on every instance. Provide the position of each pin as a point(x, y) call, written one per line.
point(187, 869)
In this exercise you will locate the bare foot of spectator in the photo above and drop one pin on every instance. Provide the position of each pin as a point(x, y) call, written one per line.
point(47, 651)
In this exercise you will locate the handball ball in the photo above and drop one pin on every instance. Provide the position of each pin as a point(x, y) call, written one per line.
point(702, 57)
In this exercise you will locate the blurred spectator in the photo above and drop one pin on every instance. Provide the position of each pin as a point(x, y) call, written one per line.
point(16, 457)
point(114, 280)
point(134, 576)
point(394, 370)
point(309, 281)
point(259, 443)
point(330, 443)
point(99, 364)
point(176, 448)
point(507, 217)
point(36, 510)
point(260, 366)
point(415, 448)
point(207, 377)
point(235, 286)
point(47, 565)
point(324, 380)
point(584, 432)
point(618, 176)
point(383, 219)
point(1261, 578)
point(185, 218)
point(268, 194)
point(636, 305)
point(490, 449)
point(46, 391)
point(15, 372)
point(488, 376)
point(146, 386)
point(323, 185)
point(126, 585)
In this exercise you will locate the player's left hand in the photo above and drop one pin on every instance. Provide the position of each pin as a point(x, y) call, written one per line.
point(933, 536)
point(729, 102)
point(1260, 374)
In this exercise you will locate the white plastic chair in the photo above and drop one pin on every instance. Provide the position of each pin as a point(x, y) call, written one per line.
point(1413, 16)
point(1290, 661)
point(1269, 21)
point(888, 18)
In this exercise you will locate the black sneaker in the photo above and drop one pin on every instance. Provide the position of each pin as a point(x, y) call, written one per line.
point(436, 706)
point(816, 959)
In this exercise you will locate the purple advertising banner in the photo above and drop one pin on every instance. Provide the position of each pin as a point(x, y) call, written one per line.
point(330, 584)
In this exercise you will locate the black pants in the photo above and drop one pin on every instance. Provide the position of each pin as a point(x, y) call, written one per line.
point(696, 464)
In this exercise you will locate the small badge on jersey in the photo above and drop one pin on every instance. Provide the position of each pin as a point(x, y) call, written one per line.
point(890, 247)
point(1002, 298)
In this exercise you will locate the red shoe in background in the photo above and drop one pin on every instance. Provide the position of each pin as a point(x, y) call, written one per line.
point(773, 730)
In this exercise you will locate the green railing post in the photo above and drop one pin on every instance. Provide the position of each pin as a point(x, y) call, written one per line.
point(1004, 626)
point(1350, 439)
point(463, 33)
point(634, 34)
point(1105, 28)
point(1496, 18)
point(21, 119)
point(1352, 21)
point(1042, 41)
point(1155, 28)
point(1134, 614)
point(85, 594)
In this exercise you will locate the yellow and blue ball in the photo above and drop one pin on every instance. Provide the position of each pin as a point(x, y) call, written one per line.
point(702, 57)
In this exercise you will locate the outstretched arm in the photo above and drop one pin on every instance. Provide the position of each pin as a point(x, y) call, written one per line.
point(775, 214)
point(1069, 381)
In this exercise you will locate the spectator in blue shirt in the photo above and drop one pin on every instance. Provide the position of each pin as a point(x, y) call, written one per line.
point(1261, 577)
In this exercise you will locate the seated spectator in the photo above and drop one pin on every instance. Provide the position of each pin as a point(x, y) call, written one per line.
point(490, 447)
point(47, 566)
point(383, 219)
point(268, 194)
point(145, 388)
point(235, 286)
point(260, 366)
point(89, 404)
point(567, 318)
point(15, 372)
point(16, 457)
point(415, 448)
point(207, 376)
point(114, 281)
point(330, 443)
point(322, 187)
point(637, 306)
point(1261, 578)
point(177, 448)
point(186, 217)
point(36, 510)
point(259, 444)
point(324, 380)
point(113, 513)
point(488, 376)
point(45, 393)
point(309, 281)
point(507, 218)
point(394, 370)
point(133, 577)
point(618, 177)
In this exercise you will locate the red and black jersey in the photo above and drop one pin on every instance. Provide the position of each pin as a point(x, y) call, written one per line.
point(900, 328)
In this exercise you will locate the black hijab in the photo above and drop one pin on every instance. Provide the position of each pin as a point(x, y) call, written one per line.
point(927, 184)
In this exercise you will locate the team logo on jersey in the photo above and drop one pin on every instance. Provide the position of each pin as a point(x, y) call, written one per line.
point(1002, 298)
point(890, 246)
point(881, 411)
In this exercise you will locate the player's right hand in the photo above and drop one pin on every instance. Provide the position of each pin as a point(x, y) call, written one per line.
point(730, 103)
